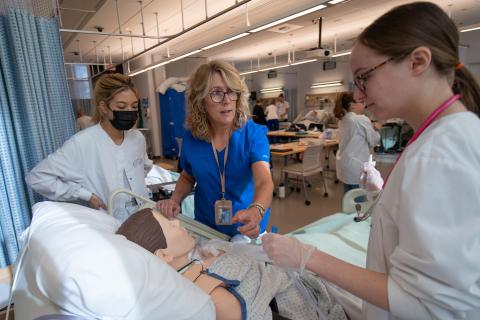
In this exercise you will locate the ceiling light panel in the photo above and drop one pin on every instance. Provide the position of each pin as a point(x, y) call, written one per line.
point(291, 17)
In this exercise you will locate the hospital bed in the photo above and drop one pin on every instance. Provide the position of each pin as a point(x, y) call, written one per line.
point(76, 265)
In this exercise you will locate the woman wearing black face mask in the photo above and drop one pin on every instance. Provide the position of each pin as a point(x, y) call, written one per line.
point(102, 158)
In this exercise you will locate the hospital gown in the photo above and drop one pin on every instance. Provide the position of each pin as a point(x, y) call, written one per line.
point(256, 283)
point(426, 226)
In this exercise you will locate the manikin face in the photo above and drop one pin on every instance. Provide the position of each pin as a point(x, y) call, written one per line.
point(179, 241)
point(222, 113)
point(386, 89)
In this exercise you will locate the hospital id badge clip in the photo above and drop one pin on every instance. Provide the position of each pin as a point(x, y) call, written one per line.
point(223, 212)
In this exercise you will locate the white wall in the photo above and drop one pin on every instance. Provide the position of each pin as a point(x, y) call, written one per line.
point(147, 83)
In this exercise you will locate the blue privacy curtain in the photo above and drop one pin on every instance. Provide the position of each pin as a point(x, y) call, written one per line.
point(36, 115)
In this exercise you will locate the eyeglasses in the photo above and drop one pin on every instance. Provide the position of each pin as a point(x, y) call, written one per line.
point(218, 96)
point(362, 78)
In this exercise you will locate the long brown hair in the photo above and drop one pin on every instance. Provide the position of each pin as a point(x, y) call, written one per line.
point(107, 87)
point(200, 83)
point(407, 27)
point(143, 229)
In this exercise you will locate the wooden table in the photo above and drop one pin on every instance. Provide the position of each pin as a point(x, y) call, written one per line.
point(291, 134)
point(299, 147)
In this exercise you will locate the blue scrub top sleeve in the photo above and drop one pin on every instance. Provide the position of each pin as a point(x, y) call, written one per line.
point(259, 146)
point(184, 158)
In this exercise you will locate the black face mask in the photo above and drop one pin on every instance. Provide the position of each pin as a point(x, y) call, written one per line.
point(124, 120)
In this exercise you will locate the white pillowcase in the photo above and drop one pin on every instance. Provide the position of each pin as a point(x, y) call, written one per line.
point(81, 265)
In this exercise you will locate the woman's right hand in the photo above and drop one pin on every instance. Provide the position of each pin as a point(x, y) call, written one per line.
point(96, 203)
point(169, 208)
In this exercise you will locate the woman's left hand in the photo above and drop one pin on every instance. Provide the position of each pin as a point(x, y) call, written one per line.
point(251, 220)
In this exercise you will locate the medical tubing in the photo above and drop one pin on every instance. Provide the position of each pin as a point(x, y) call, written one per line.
point(368, 213)
point(297, 281)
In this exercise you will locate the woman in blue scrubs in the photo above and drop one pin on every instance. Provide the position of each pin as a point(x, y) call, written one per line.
point(224, 154)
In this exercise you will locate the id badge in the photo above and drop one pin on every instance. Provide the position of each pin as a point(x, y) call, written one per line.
point(223, 212)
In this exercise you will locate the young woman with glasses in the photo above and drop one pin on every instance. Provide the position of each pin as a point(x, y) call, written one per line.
point(225, 155)
point(423, 253)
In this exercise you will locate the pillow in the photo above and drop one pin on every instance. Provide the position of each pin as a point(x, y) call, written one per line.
point(81, 265)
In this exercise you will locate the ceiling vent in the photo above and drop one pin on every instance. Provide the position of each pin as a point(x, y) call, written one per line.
point(284, 28)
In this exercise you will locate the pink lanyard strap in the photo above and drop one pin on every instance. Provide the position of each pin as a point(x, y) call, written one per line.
point(434, 115)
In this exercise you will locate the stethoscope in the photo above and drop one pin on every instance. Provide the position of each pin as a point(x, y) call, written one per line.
point(358, 207)
point(423, 126)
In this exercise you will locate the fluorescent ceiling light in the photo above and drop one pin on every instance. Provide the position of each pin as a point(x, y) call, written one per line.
point(326, 84)
point(335, 1)
point(471, 28)
point(274, 67)
point(302, 62)
point(162, 63)
point(341, 54)
point(184, 55)
point(269, 90)
point(293, 16)
point(238, 36)
point(248, 72)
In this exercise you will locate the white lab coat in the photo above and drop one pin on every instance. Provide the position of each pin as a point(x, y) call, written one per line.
point(271, 112)
point(90, 162)
point(357, 136)
point(426, 226)
point(283, 107)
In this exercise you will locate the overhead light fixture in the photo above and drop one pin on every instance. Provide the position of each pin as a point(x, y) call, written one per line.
point(326, 84)
point(238, 36)
point(248, 72)
point(274, 67)
point(270, 90)
point(470, 28)
point(335, 1)
point(293, 16)
point(163, 63)
point(341, 54)
point(185, 55)
point(302, 62)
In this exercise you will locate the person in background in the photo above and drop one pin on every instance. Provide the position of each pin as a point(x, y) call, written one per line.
point(258, 114)
point(357, 138)
point(423, 252)
point(272, 119)
point(224, 155)
point(282, 107)
point(102, 158)
point(83, 121)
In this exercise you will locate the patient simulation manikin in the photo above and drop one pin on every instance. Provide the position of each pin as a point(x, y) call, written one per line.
point(240, 286)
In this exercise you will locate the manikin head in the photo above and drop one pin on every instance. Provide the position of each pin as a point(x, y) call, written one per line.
point(165, 238)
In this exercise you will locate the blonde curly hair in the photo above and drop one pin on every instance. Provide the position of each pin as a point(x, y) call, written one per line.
point(200, 84)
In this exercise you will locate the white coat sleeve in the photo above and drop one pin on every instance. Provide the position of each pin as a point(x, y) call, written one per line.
point(59, 177)
point(372, 136)
point(435, 265)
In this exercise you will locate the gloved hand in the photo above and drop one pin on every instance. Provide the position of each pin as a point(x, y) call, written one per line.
point(287, 252)
point(371, 180)
point(169, 208)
